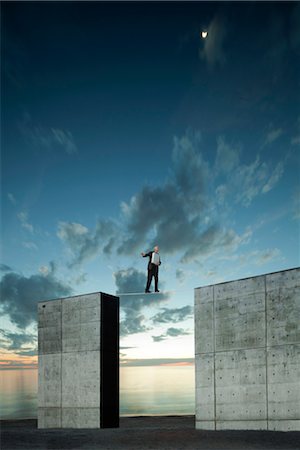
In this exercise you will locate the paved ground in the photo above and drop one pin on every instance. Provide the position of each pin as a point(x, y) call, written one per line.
point(143, 433)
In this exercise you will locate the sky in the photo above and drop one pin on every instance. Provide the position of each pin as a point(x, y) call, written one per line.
point(123, 128)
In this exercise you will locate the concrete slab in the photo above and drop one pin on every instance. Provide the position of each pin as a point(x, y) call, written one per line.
point(253, 329)
point(79, 361)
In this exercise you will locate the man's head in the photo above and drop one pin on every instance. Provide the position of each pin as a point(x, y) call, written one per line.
point(156, 249)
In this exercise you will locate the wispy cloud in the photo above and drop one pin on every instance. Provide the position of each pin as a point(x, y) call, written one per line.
point(19, 343)
point(47, 138)
point(272, 136)
point(274, 177)
point(23, 218)
point(85, 244)
point(180, 275)
point(255, 257)
point(12, 198)
point(171, 332)
point(244, 181)
point(264, 256)
point(175, 315)
point(30, 245)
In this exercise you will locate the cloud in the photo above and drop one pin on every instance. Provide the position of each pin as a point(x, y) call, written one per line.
point(20, 294)
point(23, 218)
point(180, 275)
point(213, 52)
point(65, 139)
point(15, 342)
point(171, 332)
point(184, 214)
point(30, 245)
point(170, 213)
point(274, 178)
point(272, 136)
point(296, 205)
point(256, 257)
point(174, 332)
point(265, 256)
point(47, 138)
point(295, 140)
point(5, 268)
point(227, 157)
point(188, 214)
point(248, 181)
point(11, 198)
point(128, 281)
point(173, 315)
point(85, 244)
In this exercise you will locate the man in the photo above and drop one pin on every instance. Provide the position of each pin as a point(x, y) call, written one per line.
point(154, 263)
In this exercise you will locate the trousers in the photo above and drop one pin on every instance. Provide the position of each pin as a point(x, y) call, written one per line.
point(152, 272)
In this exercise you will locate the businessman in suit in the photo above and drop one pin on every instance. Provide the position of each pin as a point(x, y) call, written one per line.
point(153, 264)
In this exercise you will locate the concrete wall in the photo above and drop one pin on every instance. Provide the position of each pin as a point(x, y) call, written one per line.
point(78, 346)
point(247, 353)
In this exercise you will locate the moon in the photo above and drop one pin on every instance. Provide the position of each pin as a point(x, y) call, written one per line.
point(204, 34)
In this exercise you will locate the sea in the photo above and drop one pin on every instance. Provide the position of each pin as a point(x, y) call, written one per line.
point(144, 390)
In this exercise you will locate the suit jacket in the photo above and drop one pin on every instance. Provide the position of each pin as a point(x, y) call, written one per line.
point(150, 258)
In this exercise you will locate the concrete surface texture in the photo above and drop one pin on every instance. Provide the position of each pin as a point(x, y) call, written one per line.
point(247, 353)
point(143, 433)
point(70, 348)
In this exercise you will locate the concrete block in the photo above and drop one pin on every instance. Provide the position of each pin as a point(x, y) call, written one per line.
point(241, 411)
point(49, 380)
point(204, 330)
point(242, 395)
point(205, 425)
point(80, 418)
point(79, 362)
point(246, 331)
point(49, 417)
point(49, 339)
point(284, 425)
point(283, 306)
point(81, 337)
point(284, 279)
point(205, 391)
point(204, 295)
point(240, 367)
point(239, 288)
point(49, 313)
point(81, 323)
point(253, 333)
point(237, 306)
point(81, 379)
point(204, 367)
point(205, 411)
point(284, 382)
point(284, 364)
point(71, 311)
point(242, 425)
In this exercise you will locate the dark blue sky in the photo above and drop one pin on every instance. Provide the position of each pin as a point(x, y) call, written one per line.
point(122, 127)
